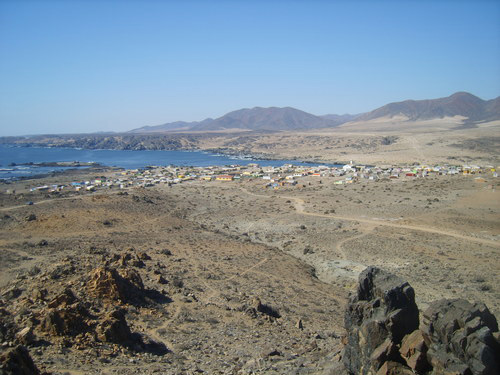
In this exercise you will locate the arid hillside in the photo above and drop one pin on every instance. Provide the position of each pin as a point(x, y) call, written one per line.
point(230, 277)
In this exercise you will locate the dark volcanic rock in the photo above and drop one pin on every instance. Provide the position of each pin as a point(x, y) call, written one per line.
point(462, 337)
point(378, 316)
point(17, 361)
point(457, 337)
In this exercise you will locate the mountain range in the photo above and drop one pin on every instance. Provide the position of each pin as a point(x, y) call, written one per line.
point(463, 104)
point(458, 104)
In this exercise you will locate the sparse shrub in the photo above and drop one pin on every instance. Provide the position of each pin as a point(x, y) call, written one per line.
point(178, 283)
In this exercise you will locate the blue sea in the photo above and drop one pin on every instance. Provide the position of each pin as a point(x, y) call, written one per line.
point(10, 155)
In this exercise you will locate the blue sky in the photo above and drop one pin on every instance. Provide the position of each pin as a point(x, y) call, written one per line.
point(85, 66)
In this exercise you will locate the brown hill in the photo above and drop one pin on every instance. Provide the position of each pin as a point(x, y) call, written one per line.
point(278, 119)
point(458, 104)
point(272, 118)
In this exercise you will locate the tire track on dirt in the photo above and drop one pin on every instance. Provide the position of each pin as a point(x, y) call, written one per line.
point(299, 205)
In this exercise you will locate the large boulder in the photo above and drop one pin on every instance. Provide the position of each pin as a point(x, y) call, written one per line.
point(378, 316)
point(462, 337)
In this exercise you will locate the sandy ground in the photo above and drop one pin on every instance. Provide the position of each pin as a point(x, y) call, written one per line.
point(439, 233)
point(383, 141)
point(297, 249)
point(212, 280)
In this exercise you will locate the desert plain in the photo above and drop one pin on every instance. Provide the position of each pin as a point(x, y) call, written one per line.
point(233, 277)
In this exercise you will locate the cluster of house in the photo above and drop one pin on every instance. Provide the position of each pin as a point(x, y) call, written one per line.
point(273, 177)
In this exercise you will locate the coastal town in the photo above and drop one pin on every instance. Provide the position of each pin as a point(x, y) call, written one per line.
point(287, 175)
point(252, 263)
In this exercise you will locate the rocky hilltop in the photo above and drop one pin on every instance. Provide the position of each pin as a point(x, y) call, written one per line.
point(383, 333)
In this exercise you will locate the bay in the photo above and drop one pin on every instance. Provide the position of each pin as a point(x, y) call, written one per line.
point(127, 159)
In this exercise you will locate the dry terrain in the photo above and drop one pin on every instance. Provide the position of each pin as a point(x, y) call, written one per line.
point(238, 278)
point(387, 141)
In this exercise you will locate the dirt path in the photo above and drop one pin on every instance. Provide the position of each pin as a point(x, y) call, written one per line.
point(39, 202)
point(414, 143)
point(56, 199)
point(365, 232)
point(300, 208)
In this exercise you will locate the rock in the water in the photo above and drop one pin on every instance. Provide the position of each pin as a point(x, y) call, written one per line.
point(17, 361)
point(378, 316)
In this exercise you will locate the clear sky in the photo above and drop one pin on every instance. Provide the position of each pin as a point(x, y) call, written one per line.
point(86, 66)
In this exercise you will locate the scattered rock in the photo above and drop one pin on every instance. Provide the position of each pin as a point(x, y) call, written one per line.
point(33, 271)
point(66, 321)
point(12, 293)
point(299, 324)
point(308, 250)
point(264, 309)
point(414, 351)
point(63, 300)
point(161, 280)
point(394, 368)
point(39, 294)
point(25, 336)
point(143, 256)
point(30, 217)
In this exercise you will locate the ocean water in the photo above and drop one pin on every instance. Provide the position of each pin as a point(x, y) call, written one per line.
point(119, 158)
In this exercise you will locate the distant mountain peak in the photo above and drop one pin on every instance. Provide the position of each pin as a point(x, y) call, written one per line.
point(288, 118)
point(458, 104)
point(266, 118)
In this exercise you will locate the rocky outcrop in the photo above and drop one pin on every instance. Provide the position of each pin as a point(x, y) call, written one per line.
point(109, 284)
point(382, 320)
point(379, 315)
point(65, 316)
point(17, 361)
point(461, 336)
point(64, 322)
point(114, 328)
point(76, 321)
